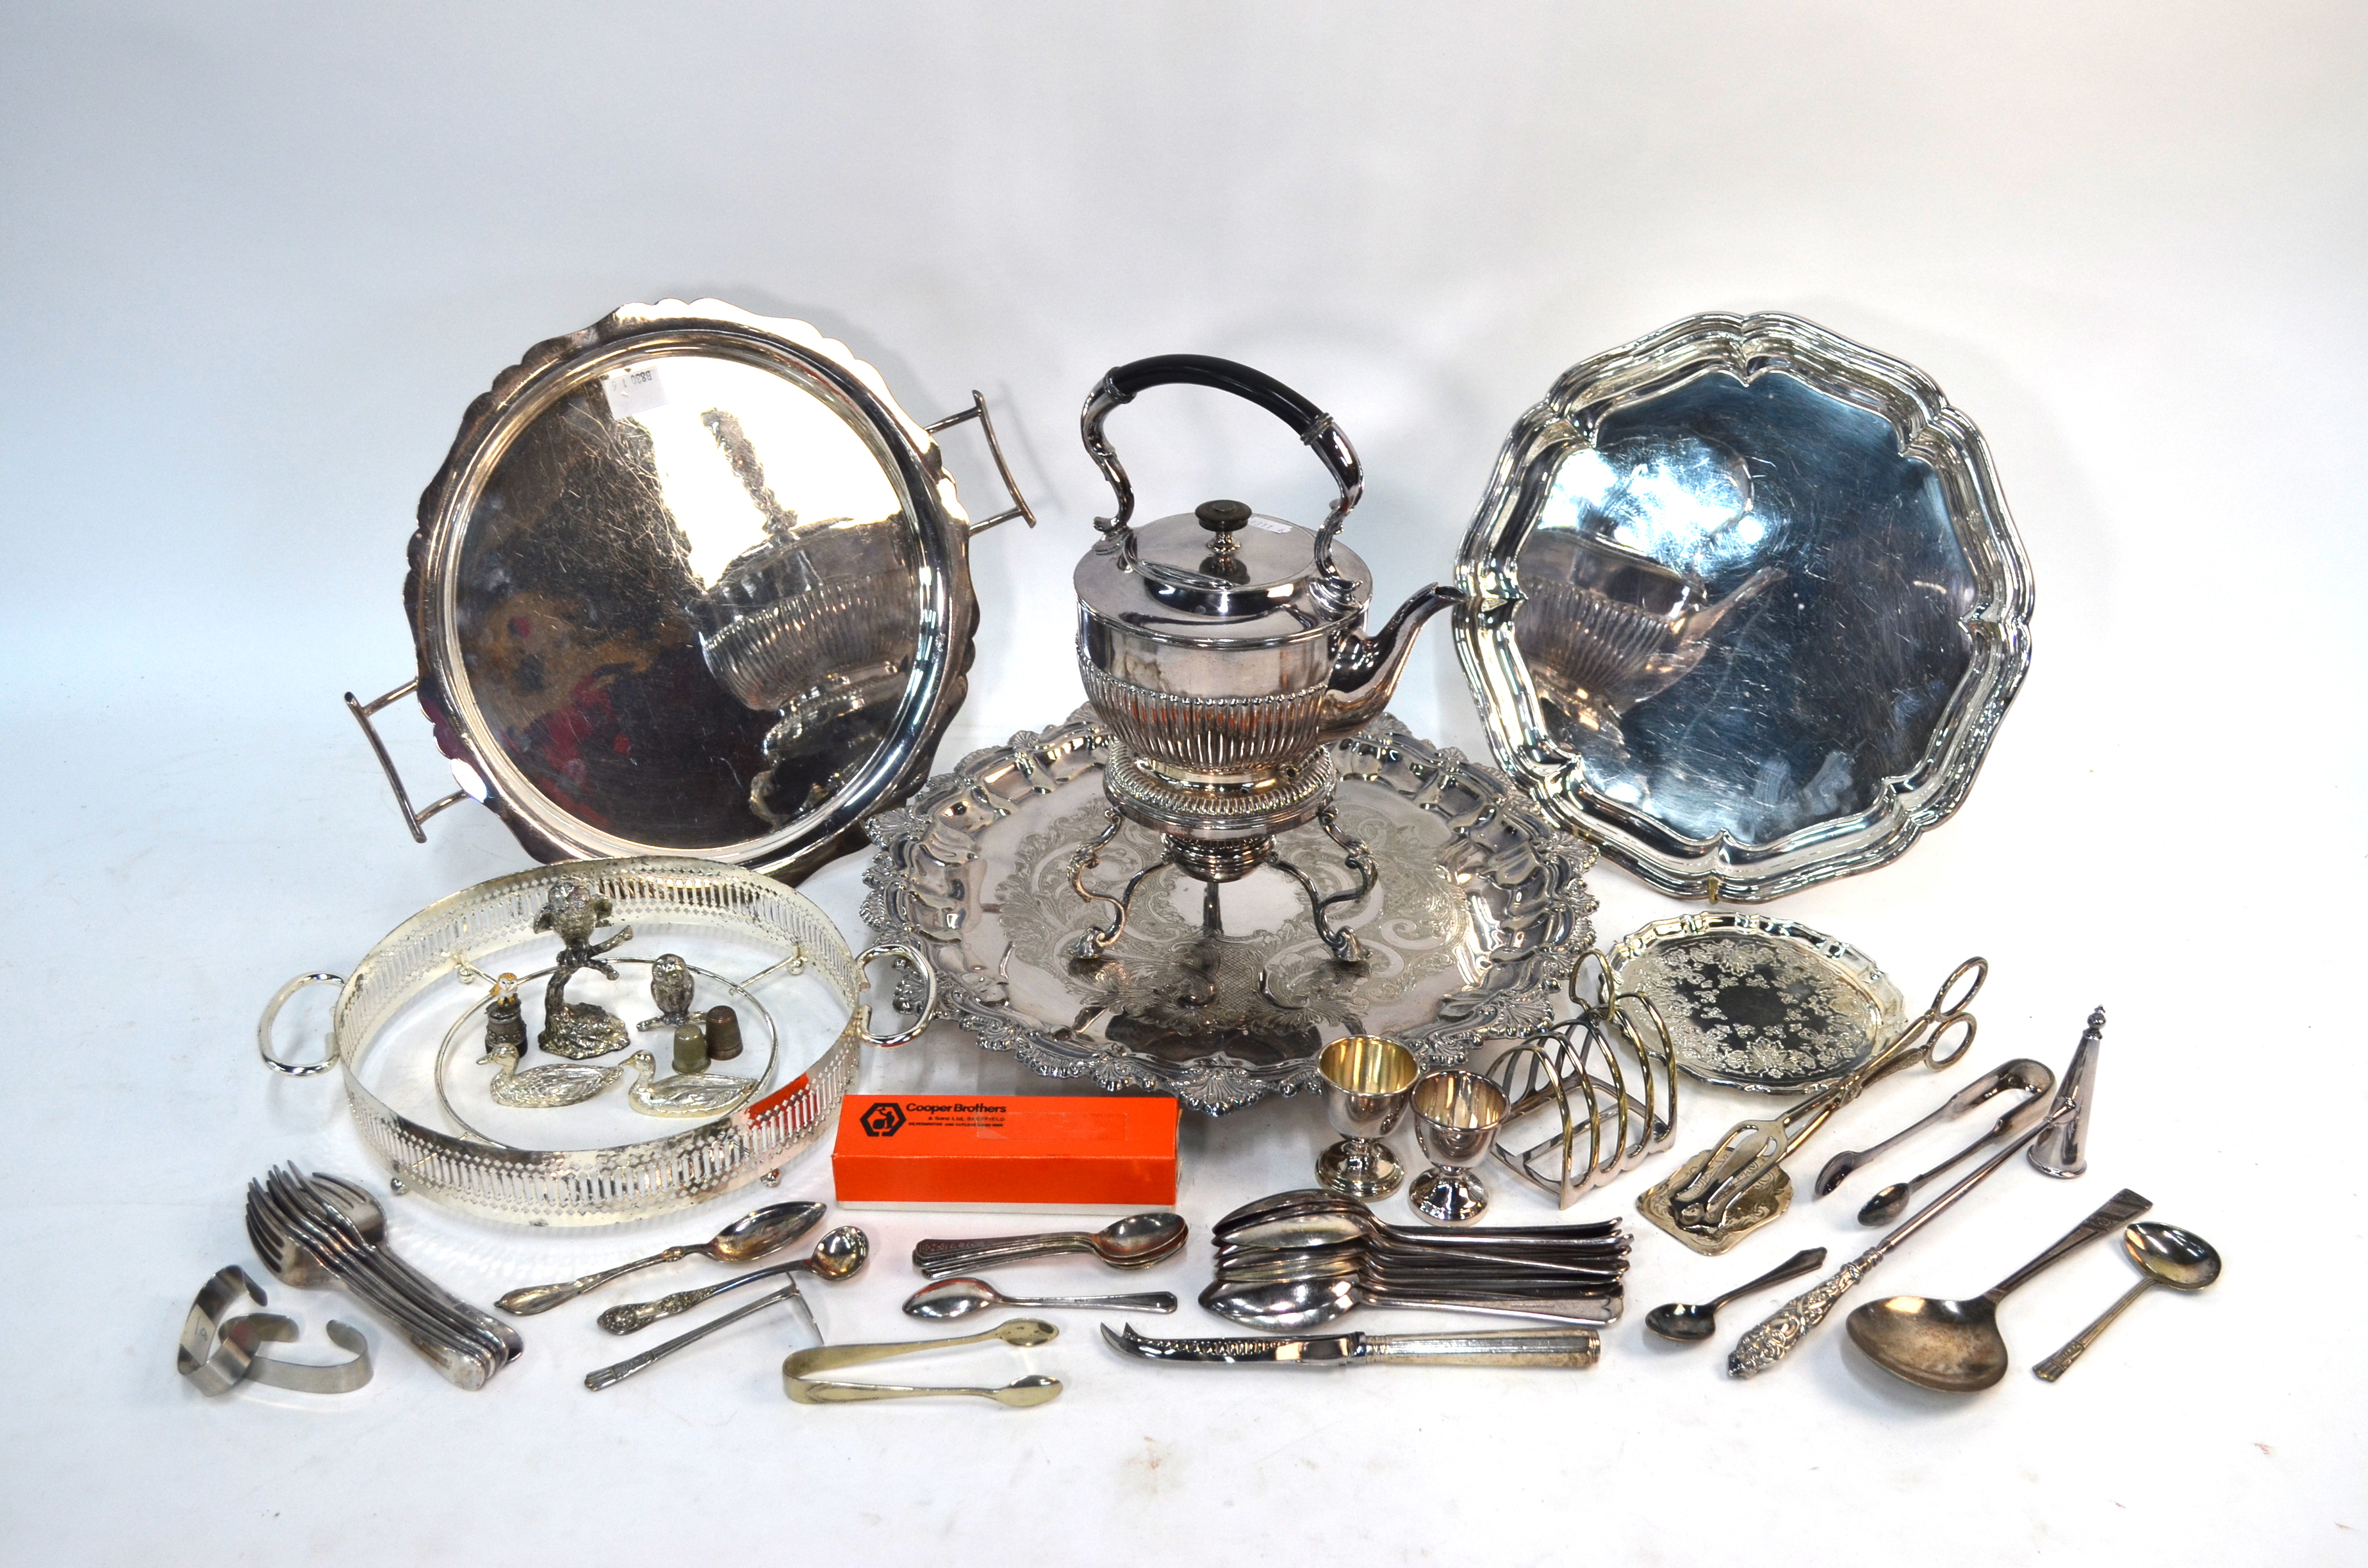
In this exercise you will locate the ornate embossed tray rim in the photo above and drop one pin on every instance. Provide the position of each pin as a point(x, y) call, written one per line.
point(1853, 967)
point(925, 843)
point(1928, 428)
point(590, 1187)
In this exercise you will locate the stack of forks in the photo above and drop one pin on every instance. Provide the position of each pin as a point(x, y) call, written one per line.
point(321, 1230)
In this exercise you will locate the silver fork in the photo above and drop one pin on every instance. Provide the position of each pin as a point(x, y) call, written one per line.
point(283, 1252)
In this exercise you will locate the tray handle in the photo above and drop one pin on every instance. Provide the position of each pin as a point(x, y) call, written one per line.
point(911, 959)
point(1019, 507)
point(271, 1016)
point(362, 712)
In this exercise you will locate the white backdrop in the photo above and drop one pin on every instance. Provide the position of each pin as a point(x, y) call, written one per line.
point(257, 260)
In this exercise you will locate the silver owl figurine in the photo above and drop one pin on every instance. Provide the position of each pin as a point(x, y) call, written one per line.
point(672, 987)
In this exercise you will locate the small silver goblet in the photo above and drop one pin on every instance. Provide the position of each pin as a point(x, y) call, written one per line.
point(1456, 1119)
point(1366, 1079)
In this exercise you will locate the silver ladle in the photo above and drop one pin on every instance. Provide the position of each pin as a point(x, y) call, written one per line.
point(960, 1298)
point(1955, 1346)
point(1775, 1338)
point(2166, 1256)
point(841, 1255)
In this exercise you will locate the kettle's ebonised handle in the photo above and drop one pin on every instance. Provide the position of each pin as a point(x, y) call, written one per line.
point(1127, 381)
point(1309, 423)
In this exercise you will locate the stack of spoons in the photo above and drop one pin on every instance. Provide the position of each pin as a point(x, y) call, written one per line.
point(1302, 1258)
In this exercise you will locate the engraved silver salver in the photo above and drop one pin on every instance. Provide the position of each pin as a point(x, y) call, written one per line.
point(1753, 1003)
point(1222, 995)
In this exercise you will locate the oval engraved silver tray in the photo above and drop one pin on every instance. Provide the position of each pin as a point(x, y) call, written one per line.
point(392, 1014)
point(1480, 911)
point(1753, 1003)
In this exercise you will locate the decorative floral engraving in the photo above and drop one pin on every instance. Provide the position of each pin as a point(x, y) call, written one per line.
point(1743, 1008)
point(1475, 888)
point(1769, 1342)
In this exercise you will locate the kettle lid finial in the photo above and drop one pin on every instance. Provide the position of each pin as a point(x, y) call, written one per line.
point(1222, 518)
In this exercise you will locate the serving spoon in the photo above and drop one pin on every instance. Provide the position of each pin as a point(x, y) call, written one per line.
point(960, 1298)
point(758, 1233)
point(1137, 1242)
point(1683, 1320)
point(2166, 1256)
point(1955, 1346)
point(841, 1255)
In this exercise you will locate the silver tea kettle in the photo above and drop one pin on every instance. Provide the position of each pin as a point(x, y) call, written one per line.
point(1222, 643)
point(1224, 649)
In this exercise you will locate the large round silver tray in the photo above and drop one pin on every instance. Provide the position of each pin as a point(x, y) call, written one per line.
point(689, 582)
point(1744, 606)
point(666, 899)
point(1480, 912)
point(1752, 1003)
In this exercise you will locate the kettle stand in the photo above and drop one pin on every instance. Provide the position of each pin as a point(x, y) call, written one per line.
point(1214, 862)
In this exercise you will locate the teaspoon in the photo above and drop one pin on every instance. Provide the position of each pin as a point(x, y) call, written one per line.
point(756, 1234)
point(841, 1255)
point(2167, 1255)
point(1137, 1242)
point(960, 1298)
point(1683, 1320)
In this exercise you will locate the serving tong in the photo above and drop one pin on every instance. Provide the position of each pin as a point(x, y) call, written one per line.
point(1737, 1185)
point(1021, 1333)
point(2036, 1079)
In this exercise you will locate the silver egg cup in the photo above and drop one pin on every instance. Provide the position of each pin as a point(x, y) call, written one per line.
point(1456, 1119)
point(1367, 1082)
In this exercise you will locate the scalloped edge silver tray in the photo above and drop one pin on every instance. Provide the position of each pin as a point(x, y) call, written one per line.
point(1929, 429)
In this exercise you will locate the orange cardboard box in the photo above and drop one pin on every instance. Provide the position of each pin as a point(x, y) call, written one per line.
point(1024, 1151)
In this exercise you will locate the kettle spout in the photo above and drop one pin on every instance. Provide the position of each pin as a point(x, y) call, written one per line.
point(1365, 669)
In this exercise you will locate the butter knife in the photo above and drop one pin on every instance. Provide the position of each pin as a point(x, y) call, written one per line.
point(1489, 1348)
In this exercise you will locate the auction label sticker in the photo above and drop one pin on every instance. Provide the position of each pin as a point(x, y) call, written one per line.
point(633, 391)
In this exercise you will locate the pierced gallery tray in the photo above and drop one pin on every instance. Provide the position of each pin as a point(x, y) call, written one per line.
point(1480, 911)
